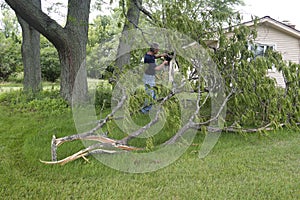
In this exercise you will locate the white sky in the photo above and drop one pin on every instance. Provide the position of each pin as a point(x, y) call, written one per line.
point(63, 9)
point(279, 10)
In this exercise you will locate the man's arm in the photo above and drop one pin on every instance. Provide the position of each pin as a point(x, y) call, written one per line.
point(160, 55)
point(161, 66)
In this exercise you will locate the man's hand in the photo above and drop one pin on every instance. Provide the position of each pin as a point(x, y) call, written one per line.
point(160, 55)
point(166, 62)
point(163, 55)
point(161, 66)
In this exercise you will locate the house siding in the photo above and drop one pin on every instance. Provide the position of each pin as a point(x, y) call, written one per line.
point(287, 45)
point(274, 33)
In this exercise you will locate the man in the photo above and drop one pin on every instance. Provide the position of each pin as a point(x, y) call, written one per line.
point(149, 75)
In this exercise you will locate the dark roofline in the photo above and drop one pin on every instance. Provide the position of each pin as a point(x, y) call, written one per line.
point(268, 17)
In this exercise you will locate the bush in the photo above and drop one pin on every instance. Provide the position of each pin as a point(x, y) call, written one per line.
point(50, 65)
point(103, 95)
point(10, 57)
point(16, 77)
point(48, 102)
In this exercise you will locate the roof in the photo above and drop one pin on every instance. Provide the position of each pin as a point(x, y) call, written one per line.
point(284, 27)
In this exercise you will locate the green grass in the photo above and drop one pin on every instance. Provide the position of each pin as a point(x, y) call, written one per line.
point(239, 167)
point(10, 86)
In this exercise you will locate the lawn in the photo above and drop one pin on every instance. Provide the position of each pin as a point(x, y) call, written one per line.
point(253, 166)
point(8, 86)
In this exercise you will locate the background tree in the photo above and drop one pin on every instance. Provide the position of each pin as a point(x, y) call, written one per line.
point(131, 12)
point(70, 40)
point(31, 55)
point(50, 65)
point(101, 31)
point(10, 45)
point(9, 22)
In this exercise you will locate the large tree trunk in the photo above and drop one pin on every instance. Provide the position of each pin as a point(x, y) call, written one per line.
point(70, 41)
point(31, 55)
point(131, 22)
point(73, 52)
point(73, 85)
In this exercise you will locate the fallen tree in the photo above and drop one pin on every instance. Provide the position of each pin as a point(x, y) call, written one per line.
point(236, 90)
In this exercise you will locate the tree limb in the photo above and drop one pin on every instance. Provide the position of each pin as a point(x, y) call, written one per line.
point(36, 18)
point(80, 154)
point(101, 123)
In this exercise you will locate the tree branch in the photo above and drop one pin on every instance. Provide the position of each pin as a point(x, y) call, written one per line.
point(147, 126)
point(143, 10)
point(80, 154)
point(36, 18)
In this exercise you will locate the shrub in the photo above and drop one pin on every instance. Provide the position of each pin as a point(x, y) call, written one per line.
point(10, 58)
point(48, 102)
point(50, 65)
point(16, 77)
point(103, 95)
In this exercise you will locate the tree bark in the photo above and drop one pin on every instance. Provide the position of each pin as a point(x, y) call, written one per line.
point(70, 41)
point(31, 55)
point(131, 22)
point(72, 55)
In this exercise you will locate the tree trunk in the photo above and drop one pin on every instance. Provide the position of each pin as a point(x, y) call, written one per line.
point(131, 22)
point(31, 55)
point(73, 52)
point(73, 85)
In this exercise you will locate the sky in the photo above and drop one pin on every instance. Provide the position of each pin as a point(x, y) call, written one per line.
point(278, 10)
point(63, 9)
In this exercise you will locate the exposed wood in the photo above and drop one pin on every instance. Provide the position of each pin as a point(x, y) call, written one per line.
point(77, 155)
point(53, 148)
point(95, 148)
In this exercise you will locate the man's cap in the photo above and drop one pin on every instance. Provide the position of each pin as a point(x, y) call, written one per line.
point(154, 46)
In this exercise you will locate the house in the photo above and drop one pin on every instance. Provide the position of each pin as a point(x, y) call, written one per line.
point(281, 37)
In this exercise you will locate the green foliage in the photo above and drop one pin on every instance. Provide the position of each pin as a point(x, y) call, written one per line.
point(137, 100)
point(101, 46)
point(197, 19)
point(103, 96)
point(50, 65)
point(16, 77)
point(291, 73)
point(149, 144)
point(257, 100)
point(10, 45)
point(11, 28)
point(10, 53)
point(99, 61)
point(48, 102)
point(101, 29)
point(10, 57)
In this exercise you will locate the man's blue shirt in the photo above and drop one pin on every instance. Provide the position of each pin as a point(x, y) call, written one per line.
point(150, 59)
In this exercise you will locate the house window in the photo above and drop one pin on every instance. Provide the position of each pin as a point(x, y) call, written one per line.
point(260, 49)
